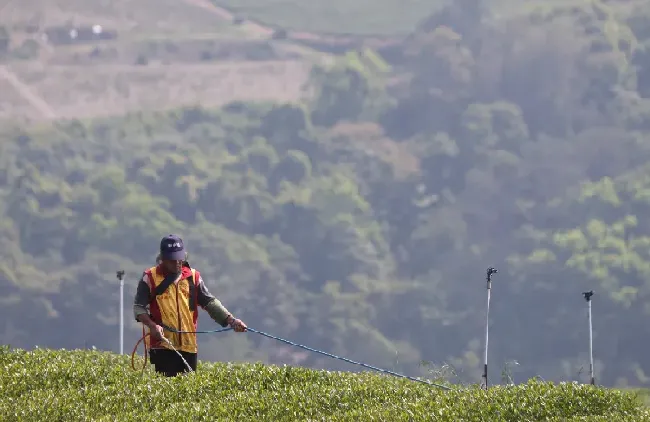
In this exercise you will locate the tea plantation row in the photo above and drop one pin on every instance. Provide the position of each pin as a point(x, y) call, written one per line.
point(53, 385)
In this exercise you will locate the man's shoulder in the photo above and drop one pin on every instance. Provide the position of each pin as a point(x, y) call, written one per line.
point(149, 272)
point(195, 272)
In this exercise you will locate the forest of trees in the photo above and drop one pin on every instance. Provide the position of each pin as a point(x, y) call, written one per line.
point(362, 222)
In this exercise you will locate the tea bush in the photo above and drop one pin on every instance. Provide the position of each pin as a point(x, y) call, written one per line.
point(80, 385)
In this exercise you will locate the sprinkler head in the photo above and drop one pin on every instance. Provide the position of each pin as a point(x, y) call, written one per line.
point(120, 274)
point(588, 295)
point(491, 271)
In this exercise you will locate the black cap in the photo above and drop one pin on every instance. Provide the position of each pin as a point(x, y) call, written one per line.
point(172, 248)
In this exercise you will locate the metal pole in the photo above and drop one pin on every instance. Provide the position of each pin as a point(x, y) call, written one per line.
point(587, 296)
point(490, 271)
point(120, 276)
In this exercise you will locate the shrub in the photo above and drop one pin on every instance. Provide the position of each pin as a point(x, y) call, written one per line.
point(51, 385)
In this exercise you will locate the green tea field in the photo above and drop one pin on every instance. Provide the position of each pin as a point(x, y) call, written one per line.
point(81, 385)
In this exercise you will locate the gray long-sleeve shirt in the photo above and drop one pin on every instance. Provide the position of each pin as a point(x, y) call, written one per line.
point(205, 299)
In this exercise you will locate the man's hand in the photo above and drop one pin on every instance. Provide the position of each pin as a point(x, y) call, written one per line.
point(237, 324)
point(157, 332)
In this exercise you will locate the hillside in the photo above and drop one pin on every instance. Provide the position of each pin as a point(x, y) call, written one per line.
point(93, 386)
point(145, 55)
point(364, 17)
point(390, 17)
point(359, 219)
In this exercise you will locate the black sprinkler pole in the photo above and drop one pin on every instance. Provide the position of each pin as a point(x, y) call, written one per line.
point(490, 272)
point(587, 296)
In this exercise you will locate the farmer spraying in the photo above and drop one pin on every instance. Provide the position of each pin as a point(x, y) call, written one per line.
point(167, 301)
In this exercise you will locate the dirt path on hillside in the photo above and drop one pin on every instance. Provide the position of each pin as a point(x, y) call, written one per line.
point(259, 30)
point(254, 28)
point(35, 100)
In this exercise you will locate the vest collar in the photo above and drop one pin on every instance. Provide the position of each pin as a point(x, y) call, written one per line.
point(186, 272)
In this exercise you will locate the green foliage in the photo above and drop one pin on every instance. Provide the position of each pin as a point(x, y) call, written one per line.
point(94, 386)
point(389, 17)
point(360, 222)
point(27, 50)
point(353, 89)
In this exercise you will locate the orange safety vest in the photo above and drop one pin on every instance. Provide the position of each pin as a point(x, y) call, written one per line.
point(175, 307)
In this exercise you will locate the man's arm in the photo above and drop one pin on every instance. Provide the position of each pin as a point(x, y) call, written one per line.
point(141, 303)
point(212, 305)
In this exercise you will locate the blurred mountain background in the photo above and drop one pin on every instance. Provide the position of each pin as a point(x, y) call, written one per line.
point(342, 173)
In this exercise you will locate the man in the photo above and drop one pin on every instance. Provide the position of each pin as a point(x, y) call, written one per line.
point(167, 297)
